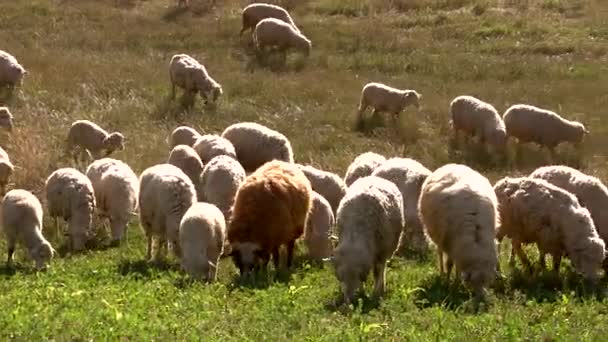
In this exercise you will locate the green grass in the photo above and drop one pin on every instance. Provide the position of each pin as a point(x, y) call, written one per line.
point(107, 61)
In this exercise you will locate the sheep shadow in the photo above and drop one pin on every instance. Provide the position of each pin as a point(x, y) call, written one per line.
point(438, 291)
point(174, 13)
point(361, 303)
point(7, 271)
point(476, 154)
point(143, 269)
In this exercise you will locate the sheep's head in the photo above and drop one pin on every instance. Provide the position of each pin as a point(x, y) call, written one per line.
point(114, 142)
point(588, 258)
point(43, 255)
point(304, 45)
point(499, 139)
point(578, 133)
point(351, 271)
point(216, 91)
point(248, 256)
point(6, 119)
point(411, 97)
point(480, 277)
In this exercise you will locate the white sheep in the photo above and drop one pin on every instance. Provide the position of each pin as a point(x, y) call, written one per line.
point(369, 225)
point(458, 209)
point(188, 74)
point(209, 146)
point(85, 136)
point(362, 166)
point(220, 181)
point(22, 222)
point(383, 98)
point(116, 189)
point(280, 36)
point(6, 119)
point(256, 144)
point(328, 184)
point(536, 211)
point(183, 135)
point(318, 231)
point(408, 175)
point(202, 232)
point(70, 196)
point(480, 119)
point(6, 170)
point(165, 194)
point(543, 127)
point(256, 12)
point(187, 160)
point(11, 72)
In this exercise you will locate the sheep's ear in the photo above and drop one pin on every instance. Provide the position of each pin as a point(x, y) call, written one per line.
point(585, 130)
point(329, 259)
point(333, 238)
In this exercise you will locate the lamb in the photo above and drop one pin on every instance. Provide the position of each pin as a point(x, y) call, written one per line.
point(270, 210)
point(256, 144)
point(458, 209)
point(187, 160)
point(11, 72)
point(383, 98)
point(88, 136)
point(477, 118)
point(209, 146)
point(363, 165)
point(535, 211)
point(22, 222)
point(183, 135)
point(6, 119)
point(256, 12)
point(202, 231)
point(369, 225)
point(543, 127)
point(165, 194)
point(274, 33)
point(6, 170)
point(188, 74)
point(408, 175)
point(317, 234)
point(327, 184)
point(220, 181)
point(70, 195)
point(116, 188)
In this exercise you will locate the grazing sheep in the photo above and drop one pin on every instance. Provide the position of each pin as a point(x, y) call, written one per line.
point(477, 118)
point(256, 12)
point(276, 34)
point(6, 170)
point(116, 189)
point(187, 160)
point(6, 119)
point(408, 175)
point(369, 225)
point(220, 181)
point(202, 231)
point(11, 72)
point(327, 184)
point(317, 234)
point(165, 194)
point(210, 146)
point(543, 127)
point(22, 222)
point(88, 136)
point(536, 211)
point(270, 210)
point(70, 195)
point(363, 166)
point(188, 74)
point(183, 135)
point(256, 144)
point(383, 98)
point(458, 209)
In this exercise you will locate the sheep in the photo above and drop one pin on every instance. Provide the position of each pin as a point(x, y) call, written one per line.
point(220, 181)
point(6, 119)
point(256, 144)
point(328, 184)
point(209, 146)
point(536, 211)
point(6, 170)
point(317, 234)
point(362, 166)
point(165, 194)
point(369, 225)
point(116, 188)
point(22, 222)
point(458, 209)
point(183, 135)
point(11, 72)
point(256, 12)
point(274, 33)
point(187, 160)
point(70, 195)
point(270, 210)
point(408, 175)
point(188, 74)
point(383, 98)
point(202, 231)
point(477, 118)
point(546, 128)
point(88, 136)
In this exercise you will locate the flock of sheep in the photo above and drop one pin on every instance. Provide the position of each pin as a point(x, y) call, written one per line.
point(242, 194)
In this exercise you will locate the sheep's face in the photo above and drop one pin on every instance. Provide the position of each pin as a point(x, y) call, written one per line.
point(351, 273)
point(43, 255)
point(499, 139)
point(411, 97)
point(248, 257)
point(115, 142)
point(479, 277)
point(216, 91)
point(578, 133)
point(588, 260)
point(6, 119)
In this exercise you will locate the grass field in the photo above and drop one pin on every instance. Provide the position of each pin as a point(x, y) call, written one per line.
point(106, 60)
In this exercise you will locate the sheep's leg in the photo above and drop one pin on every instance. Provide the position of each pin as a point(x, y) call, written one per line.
point(522, 255)
point(379, 279)
point(542, 259)
point(449, 265)
point(290, 248)
point(512, 257)
point(275, 258)
point(11, 251)
point(440, 259)
point(557, 261)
